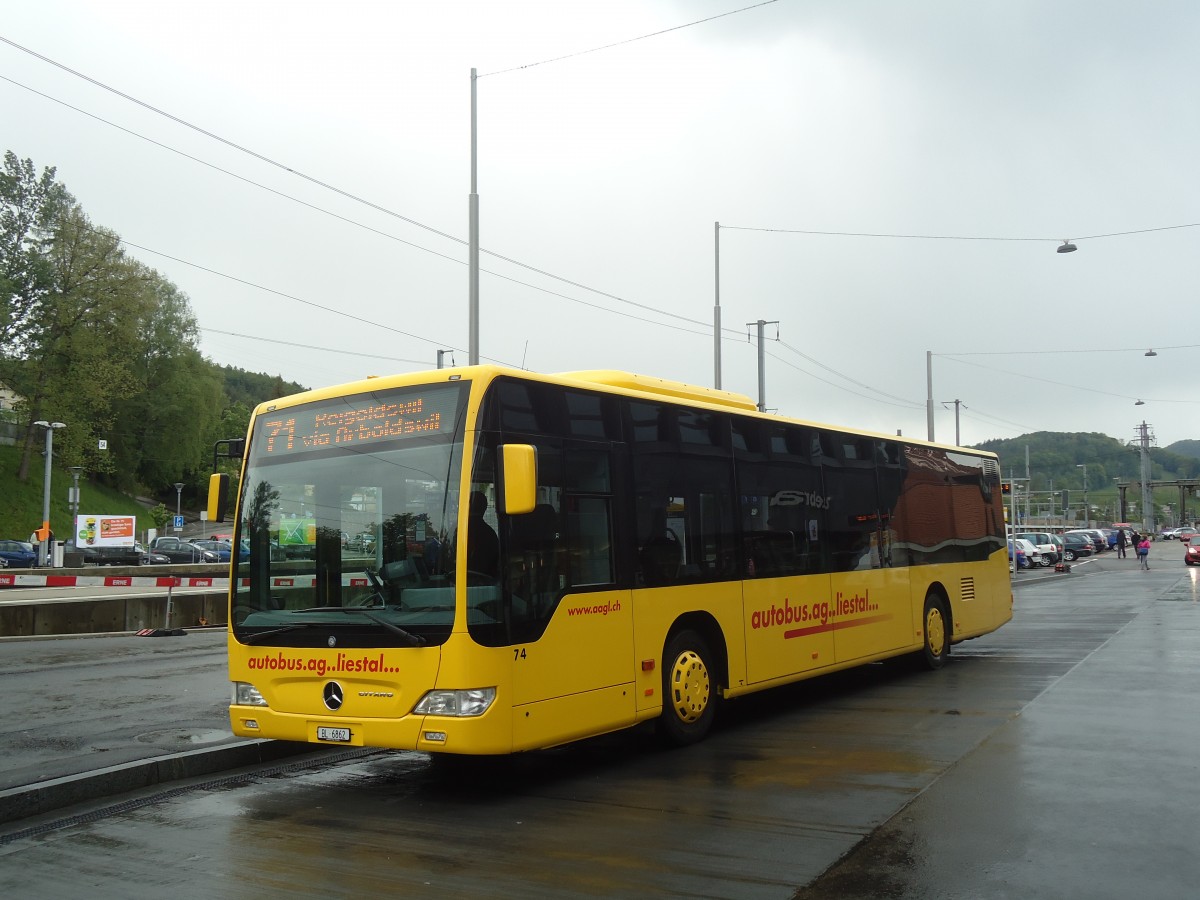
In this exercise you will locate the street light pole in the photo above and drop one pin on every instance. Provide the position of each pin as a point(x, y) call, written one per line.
point(44, 544)
point(178, 493)
point(473, 245)
point(74, 470)
point(1087, 510)
point(717, 305)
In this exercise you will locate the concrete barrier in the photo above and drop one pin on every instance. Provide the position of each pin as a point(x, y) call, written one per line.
point(64, 615)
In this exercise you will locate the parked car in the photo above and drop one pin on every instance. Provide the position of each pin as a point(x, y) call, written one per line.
point(111, 556)
point(1076, 545)
point(19, 554)
point(1098, 538)
point(223, 550)
point(1020, 562)
point(152, 557)
point(1191, 555)
point(363, 543)
point(1033, 556)
point(1048, 546)
point(179, 551)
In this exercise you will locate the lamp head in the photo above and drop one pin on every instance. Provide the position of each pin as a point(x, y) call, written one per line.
point(1067, 247)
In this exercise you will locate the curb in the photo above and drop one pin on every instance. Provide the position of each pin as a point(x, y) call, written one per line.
point(35, 799)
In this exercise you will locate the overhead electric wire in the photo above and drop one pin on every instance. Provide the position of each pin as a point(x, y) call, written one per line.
point(628, 40)
point(908, 404)
point(868, 387)
point(392, 213)
point(356, 353)
point(1075, 387)
point(377, 207)
point(952, 237)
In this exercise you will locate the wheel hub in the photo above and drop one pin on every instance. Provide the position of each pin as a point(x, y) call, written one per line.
point(690, 686)
point(935, 630)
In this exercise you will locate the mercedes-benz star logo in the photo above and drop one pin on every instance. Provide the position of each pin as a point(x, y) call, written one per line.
point(333, 695)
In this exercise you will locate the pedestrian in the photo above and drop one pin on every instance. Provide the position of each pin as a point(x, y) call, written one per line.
point(1120, 543)
point(1143, 553)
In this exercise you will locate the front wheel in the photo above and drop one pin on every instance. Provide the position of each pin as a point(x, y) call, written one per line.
point(689, 690)
point(937, 632)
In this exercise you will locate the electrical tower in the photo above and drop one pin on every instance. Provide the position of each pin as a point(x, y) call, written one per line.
point(1145, 439)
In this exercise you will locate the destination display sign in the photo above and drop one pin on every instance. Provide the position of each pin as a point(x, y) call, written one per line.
point(358, 421)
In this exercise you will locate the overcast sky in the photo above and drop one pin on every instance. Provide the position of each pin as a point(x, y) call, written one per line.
point(977, 136)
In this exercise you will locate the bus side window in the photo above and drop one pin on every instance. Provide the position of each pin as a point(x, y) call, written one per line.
point(661, 555)
point(534, 549)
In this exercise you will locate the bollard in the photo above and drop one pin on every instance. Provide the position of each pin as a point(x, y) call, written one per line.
point(166, 630)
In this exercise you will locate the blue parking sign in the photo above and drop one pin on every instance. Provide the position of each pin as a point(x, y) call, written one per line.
point(179, 521)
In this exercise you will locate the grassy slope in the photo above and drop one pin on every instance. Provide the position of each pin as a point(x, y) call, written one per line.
point(21, 504)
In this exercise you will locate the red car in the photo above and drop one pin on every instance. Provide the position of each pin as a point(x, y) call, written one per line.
point(1191, 555)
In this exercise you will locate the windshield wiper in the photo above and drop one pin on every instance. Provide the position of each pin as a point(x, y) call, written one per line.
point(413, 640)
point(255, 638)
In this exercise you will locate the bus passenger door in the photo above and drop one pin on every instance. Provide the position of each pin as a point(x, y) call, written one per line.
point(571, 677)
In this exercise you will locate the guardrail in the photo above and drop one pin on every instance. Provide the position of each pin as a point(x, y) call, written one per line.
point(160, 607)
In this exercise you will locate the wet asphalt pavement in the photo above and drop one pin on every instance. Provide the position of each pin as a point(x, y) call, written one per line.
point(1056, 758)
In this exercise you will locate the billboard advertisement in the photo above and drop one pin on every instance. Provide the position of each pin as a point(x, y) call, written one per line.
point(105, 531)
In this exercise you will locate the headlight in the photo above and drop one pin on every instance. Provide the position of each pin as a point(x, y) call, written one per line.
point(456, 703)
point(246, 694)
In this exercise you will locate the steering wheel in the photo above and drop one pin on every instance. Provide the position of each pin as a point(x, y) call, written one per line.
point(378, 593)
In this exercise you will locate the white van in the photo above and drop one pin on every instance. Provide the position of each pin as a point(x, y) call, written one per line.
point(1050, 547)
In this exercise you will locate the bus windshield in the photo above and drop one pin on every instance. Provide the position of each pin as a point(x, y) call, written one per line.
point(349, 508)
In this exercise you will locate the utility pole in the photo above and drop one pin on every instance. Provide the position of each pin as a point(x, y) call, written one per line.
point(762, 364)
point(1144, 438)
point(957, 432)
point(717, 305)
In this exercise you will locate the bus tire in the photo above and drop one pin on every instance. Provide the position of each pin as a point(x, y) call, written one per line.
point(689, 690)
point(936, 646)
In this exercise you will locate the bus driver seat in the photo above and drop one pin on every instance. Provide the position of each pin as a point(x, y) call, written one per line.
point(661, 558)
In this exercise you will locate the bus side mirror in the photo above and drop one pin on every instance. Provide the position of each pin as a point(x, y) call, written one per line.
point(218, 493)
point(520, 478)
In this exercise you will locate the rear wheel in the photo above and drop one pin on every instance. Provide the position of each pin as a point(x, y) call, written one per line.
point(1046, 561)
point(937, 632)
point(1070, 555)
point(689, 689)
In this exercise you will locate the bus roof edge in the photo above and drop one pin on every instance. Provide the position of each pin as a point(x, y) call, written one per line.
point(651, 385)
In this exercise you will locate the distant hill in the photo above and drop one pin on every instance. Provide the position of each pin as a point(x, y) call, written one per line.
point(252, 388)
point(1185, 448)
point(1056, 460)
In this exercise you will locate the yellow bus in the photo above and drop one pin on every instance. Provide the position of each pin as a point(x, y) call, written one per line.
point(481, 560)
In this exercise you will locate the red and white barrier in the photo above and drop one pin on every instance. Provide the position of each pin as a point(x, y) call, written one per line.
point(160, 581)
point(16, 580)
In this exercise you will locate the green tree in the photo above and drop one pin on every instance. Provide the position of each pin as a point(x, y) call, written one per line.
point(30, 206)
point(160, 516)
point(74, 364)
point(164, 421)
